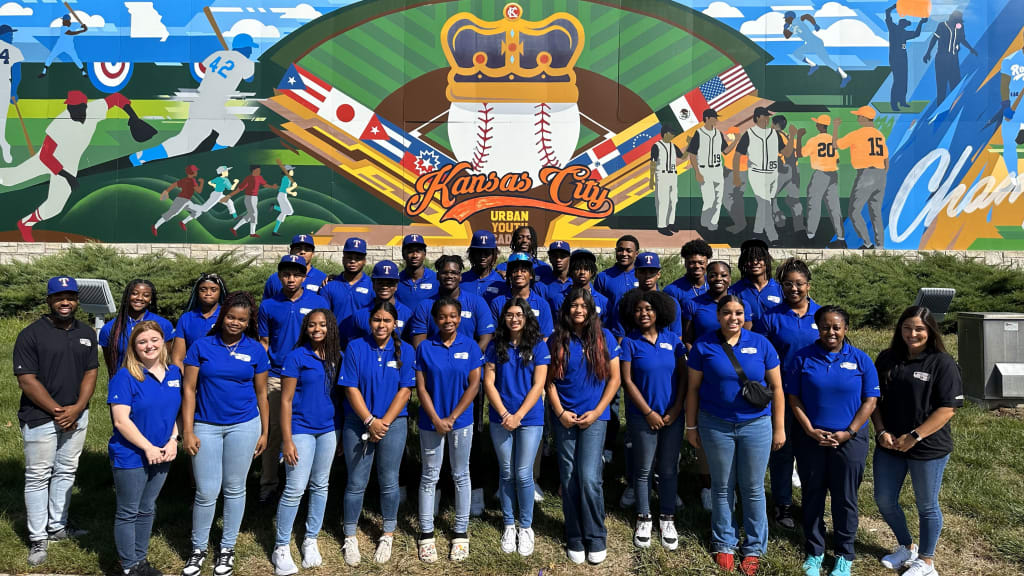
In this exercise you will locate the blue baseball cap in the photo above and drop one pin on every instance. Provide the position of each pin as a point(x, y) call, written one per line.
point(648, 260)
point(413, 240)
point(291, 260)
point(59, 284)
point(303, 239)
point(242, 41)
point(483, 239)
point(559, 245)
point(357, 245)
point(385, 270)
point(519, 258)
point(582, 253)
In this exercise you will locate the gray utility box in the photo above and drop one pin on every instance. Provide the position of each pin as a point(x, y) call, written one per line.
point(992, 357)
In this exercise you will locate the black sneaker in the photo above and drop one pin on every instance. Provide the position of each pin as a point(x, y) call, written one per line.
point(784, 517)
point(195, 563)
point(144, 568)
point(225, 565)
point(68, 531)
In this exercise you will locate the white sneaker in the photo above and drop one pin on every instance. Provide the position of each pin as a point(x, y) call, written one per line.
point(900, 557)
point(628, 499)
point(921, 568)
point(476, 503)
point(705, 498)
point(597, 557)
point(538, 494)
point(508, 539)
point(351, 551)
point(311, 553)
point(669, 537)
point(384, 546)
point(642, 534)
point(796, 478)
point(282, 561)
point(525, 541)
point(576, 556)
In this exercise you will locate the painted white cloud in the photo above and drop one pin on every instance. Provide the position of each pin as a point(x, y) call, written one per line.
point(720, 9)
point(300, 12)
point(849, 33)
point(253, 28)
point(146, 21)
point(15, 9)
point(767, 24)
point(834, 10)
point(92, 21)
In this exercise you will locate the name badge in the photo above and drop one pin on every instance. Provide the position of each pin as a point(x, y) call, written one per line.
point(774, 299)
point(305, 311)
point(665, 346)
point(492, 289)
point(362, 290)
point(461, 356)
point(814, 326)
point(174, 383)
point(922, 376)
point(598, 308)
point(536, 313)
point(400, 324)
point(85, 342)
point(849, 365)
point(748, 350)
point(242, 357)
point(313, 287)
point(427, 286)
point(636, 283)
point(392, 364)
point(467, 314)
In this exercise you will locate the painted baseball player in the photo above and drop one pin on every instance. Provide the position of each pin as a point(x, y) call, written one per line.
point(221, 185)
point(284, 190)
point(251, 186)
point(66, 45)
point(869, 155)
point(899, 34)
point(762, 144)
point(67, 138)
point(948, 36)
point(789, 177)
point(10, 77)
point(1010, 87)
point(824, 184)
point(188, 186)
point(225, 69)
point(705, 150)
point(733, 200)
point(665, 181)
point(813, 45)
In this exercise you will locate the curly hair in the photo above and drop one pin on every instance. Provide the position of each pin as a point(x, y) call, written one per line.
point(120, 324)
point(239, 299)
point(595, 349)
point(790, 265)
point(661, 303)
point(696, 247)
point(448, 258)
point(528, 338)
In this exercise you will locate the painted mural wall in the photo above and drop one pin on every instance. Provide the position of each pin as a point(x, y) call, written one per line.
point(856, 123)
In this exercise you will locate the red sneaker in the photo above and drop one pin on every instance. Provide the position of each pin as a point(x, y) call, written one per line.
point(234, 232)
point(725, 561)
point(154, 230)
point(749, 565)
point(254, 235)
point(182, 224)
point(26, 232)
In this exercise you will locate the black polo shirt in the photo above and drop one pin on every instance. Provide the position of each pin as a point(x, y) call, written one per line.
point(911, 391)
point(59, 359)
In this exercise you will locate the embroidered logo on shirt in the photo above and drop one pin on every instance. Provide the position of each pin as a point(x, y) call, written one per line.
point(313, 287)
point(305, 311)
point(774, 299)
point(85, 342)
point(598, 308)
point(461, 355)
point(665, 346)
point(492, 289)
point(814, 326)
point(922, 376)
point(849, 365)
point(362, 290)
point(174, 383)
point(400, 323)
point(636, 283)
point(536, 313)
point(392, 364)
point(242, 357)
point(426, 286)
point(467, 314)
point(958, 397)
point(748, 350)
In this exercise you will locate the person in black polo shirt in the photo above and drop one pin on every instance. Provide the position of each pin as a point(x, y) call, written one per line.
point(921, 389)
point(55, 361)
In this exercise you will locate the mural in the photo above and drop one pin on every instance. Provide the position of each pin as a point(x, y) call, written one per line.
point(860, 123)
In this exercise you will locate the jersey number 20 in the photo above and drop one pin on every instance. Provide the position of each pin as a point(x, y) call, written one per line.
point(220, 69)
point(826, 149)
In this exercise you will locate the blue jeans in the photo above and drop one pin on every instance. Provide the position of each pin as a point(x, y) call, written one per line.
point(780, 465)
point(516, 452)
point(225, 454)
point(926, 477)
point(137, 490)
point(51, 461)
point(580, 470)
point(432, 456)
point(313, 469)
point(359, 456)
point(738, 458)
point(650, 447)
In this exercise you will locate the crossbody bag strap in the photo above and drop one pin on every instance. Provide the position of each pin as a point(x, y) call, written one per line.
point(732, 358)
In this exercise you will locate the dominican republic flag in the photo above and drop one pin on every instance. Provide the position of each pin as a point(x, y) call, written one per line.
point(619, 151)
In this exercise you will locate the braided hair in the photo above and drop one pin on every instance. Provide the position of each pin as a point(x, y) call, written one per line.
point(120, 324)
point(193, 299)
point(790, 265)
point(516, 247)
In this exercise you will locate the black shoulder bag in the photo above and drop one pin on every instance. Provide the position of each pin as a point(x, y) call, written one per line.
point(753, 392)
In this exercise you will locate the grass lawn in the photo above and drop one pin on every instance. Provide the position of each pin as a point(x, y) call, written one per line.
point(983, 501)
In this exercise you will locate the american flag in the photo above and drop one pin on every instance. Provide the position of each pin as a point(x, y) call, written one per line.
point(727, 87)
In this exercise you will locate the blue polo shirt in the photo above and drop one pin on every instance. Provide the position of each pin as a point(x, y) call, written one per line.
point(541, 311)
point(488, 287)
point(446, 376)
point(154, 404)
point(280, 320)
point(122, 342)
point(225, 393)
point(720, 388)
point(832, 385)
point(376, 373)
point(683, 290)
point(314, 280)
point(345, 298)
point(312, 405)
point(556, 299)
point(676, 327)
point(193, 325)
point(357, 325)
point(703, 312)
point(614, 282)
point(554, 293)
point(760, 301)
point(653, 368)
point(477, 319)
point(411, 291)
point(580, 391)
point(514, 379)
point(788, 332)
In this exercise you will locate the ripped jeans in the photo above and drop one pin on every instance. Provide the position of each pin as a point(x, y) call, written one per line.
point(432, 455)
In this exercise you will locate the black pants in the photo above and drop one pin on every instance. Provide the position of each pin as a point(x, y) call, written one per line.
point(835, 471)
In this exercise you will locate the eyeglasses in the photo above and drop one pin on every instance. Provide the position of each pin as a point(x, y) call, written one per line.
point(514, 315)
point(791, 285)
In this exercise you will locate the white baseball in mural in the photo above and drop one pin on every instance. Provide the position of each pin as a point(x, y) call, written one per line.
point(513, 136)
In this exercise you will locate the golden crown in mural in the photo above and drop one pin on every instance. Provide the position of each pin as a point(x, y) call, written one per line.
point(512, 59)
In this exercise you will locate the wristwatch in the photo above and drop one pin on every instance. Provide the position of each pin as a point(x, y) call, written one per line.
point(917, 437)
point(851, 432)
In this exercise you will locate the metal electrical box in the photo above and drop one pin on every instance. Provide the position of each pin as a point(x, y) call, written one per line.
point(991, 356)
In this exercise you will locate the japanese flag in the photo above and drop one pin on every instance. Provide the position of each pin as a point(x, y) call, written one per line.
point(344, 112)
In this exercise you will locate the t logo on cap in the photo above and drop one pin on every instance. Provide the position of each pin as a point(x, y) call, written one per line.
point(648, 260)
point(387, 269)
point(64, 281)
point(355, 243)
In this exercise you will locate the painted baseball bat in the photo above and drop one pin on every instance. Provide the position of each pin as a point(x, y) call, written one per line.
point(73, 13)
point(24, 130)
point(213, 23)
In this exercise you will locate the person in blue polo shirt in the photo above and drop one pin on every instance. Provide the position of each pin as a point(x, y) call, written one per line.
point(832, 388)
point(757, 288)
point(737, 435)
point(308, 440)
point(559, 282)
point(524, 241)
point(696, 254)
point(477, 320)
point(481, 279)
point(515, 371)
point(385, 286)
point(416, 282)
point(378, 377)
point(521, 283)
point(280, 325)
point(790, 327)
point(582, 382)
point(137, 304)
point(302, 245)
point(700, 314)
point(351, 290)
point(620, 278)
point(648, 272)
point(208, 294)
point(654, 380)
point(447, 380)
point(144, 399)
point(225, 421)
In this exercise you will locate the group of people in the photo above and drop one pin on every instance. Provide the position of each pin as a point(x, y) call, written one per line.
point(752, 375)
